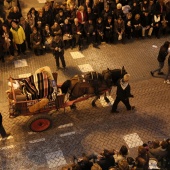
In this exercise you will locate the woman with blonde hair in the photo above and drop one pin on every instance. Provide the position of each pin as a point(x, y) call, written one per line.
point(81, 15)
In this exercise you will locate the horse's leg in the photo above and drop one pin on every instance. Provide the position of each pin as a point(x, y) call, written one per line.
point(94, 101)
point(73, 106)
point(106, 99)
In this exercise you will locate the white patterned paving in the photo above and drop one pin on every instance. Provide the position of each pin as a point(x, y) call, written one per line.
point(76, 55)
point(20, 63)
point(85, 67)
point(133, 140)
point(55, 159)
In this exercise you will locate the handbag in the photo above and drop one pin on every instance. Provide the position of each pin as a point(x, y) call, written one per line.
point(120, 37)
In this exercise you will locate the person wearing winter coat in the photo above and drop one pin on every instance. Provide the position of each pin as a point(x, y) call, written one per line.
point(18, 37)
point(36, 41)
point(163, 52)
point(58, 51)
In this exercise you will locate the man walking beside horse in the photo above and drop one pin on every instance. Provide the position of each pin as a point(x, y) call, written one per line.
point(123, 93)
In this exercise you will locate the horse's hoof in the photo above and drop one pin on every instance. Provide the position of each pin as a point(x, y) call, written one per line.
point(73, 107)
point(94, 104)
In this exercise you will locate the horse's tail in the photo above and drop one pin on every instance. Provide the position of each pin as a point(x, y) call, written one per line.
point(65, 86)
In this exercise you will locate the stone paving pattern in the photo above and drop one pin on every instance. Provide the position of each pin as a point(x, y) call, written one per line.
point(93, 128)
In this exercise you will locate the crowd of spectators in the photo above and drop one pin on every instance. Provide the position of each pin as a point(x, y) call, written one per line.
point(151, 155)
point(81, 23)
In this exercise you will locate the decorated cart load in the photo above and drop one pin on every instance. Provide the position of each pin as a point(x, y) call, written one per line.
point(39, 85)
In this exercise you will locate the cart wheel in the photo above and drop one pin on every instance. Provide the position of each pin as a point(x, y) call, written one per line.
point(39, 123)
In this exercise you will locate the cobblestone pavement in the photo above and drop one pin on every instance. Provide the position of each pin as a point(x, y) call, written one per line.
point(89, 129)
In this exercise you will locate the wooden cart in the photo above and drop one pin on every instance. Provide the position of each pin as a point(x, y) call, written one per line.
point(40, 120)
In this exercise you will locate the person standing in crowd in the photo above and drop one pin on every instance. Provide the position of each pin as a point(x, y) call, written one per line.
point(81, 15)
point(168, 73)
point(123, 93)
point(142, 160)
point(36, 41)
point(1, 49)
point(8, 40)
point(15, 14)
point(109, 30)
point(18, 37)
point(119, 28)
point(8, 21)
point(58, 51)
point(77, 30)
point(27, 29)
point(163, 52)
point(2, 130)
point(90, 33)
point(2, 12)
point(146, 22)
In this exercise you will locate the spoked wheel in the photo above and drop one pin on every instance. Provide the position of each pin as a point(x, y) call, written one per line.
point(39, 123)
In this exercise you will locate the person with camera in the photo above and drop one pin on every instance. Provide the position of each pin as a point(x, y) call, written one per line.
point(58, 51)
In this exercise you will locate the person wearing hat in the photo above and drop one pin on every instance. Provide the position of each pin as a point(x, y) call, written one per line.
point(58, 51)
point(123, 93)
point(2, 130)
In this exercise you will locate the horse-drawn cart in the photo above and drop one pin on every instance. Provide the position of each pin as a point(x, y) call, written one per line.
point(39, 94)
point(38, 109)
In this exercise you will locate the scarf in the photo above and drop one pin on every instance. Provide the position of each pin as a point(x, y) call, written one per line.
point(123, 84)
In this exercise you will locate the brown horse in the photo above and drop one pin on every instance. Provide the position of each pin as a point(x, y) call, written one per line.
point(92, 83)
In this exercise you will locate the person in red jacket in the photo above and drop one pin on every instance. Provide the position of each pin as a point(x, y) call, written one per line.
point(81, 15)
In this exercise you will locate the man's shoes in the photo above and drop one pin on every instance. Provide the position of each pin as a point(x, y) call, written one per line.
point(152, 74)
point(64, 68)
point(114, 111)
point(160, 73)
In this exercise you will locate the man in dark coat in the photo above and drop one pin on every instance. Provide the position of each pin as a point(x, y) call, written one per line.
point(163, 52)
point(123, 93)
point(2, 130)
point(77, 30)
point(58, 51)
point(27, 30)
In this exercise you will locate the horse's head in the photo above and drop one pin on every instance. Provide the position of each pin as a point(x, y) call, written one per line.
point(112, 76)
